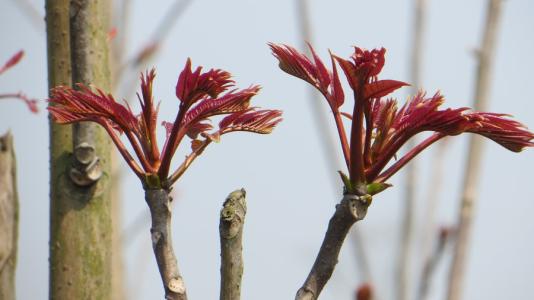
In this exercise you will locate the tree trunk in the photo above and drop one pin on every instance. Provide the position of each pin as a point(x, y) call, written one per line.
point(9, 217)
point(80, 224)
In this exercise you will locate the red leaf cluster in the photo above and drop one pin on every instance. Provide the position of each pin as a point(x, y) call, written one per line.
point(201, 96)
point(378, 128)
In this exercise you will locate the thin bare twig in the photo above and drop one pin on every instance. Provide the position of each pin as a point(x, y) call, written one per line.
point(474, 157)
point(408, 217)
point(432, 261)
point(33, 15)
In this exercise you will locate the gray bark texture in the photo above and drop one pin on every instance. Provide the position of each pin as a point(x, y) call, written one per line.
point(231, 232)
point(9, 217)
point(350, 210)
point(80, 223)
point(159, 202)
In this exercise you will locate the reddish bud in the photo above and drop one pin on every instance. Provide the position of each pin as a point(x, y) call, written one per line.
point(12, 61)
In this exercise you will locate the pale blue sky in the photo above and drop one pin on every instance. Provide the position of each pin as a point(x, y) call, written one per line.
point(290, 198)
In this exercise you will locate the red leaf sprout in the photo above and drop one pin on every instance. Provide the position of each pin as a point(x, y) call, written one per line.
point(201, 97)
point(378, 128)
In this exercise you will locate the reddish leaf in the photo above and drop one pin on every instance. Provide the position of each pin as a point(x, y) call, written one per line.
point(369, 63)
point(261, 121)
point(294, 63)
point(508, 133)
point(233, 101)
point(149, 112)
point(197, 128)
point(168, 128)
point(323, 76)
point(12, 61)
point(350, 71)
point(338, 96)
point(192, 86)
point(71, 105)
point(381, 88)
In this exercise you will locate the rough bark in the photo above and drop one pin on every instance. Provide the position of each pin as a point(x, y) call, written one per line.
point(474, 157)
point(9, 217)
point(231, 234)
point(80, 230)
point(351, 209)
point(159, 202)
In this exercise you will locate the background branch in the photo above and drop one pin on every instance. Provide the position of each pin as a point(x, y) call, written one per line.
point(474, 156)
point(404, 258)
point(431, 262)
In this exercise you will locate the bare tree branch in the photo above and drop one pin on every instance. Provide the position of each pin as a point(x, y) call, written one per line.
point(231, 224)
point(350, 210)
point(474, 157)
point(408, 217)
point(159, 202)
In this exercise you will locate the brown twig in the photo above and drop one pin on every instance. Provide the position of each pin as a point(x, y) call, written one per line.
point(474, 157)
point(159, 202)
point(350, 210)
point(231, 224)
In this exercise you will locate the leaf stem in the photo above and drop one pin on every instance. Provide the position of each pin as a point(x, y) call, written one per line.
point(408, 156)
point(122, 150)
point(356, 169)
point(342, 137)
